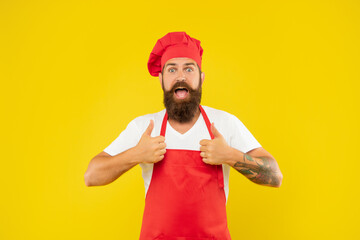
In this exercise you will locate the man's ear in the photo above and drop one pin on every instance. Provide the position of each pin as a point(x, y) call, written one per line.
point(202, 77)
point(160, 79)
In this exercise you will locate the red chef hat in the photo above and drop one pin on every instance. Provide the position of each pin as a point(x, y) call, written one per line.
point(172, 45)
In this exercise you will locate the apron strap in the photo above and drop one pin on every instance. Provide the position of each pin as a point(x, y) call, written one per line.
point(163, 125)
point(219, 167)
point(208, 125)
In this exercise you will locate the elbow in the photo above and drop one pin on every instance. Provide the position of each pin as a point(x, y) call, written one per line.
point(278, 180)
point(87, 179)
point(90, 174)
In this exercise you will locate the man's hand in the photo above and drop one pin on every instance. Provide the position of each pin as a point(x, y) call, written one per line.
point(215, 151)
point(151, 149)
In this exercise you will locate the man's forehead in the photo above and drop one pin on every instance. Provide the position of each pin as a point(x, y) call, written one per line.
point(180, 61)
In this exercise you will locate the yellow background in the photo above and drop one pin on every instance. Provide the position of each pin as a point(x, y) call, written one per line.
point(73, 75)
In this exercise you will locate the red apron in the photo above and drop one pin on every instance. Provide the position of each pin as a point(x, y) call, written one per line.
point(186, 198)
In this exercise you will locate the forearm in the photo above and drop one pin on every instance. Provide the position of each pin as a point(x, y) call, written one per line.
point(261, 170)
point(105, 169)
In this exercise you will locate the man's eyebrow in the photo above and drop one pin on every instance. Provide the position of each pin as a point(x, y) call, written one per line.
point(174, 64)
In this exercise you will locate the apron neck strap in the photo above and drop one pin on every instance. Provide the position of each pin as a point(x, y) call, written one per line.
point(208, 125)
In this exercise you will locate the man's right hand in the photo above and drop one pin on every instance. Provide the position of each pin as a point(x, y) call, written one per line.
point(151, 149)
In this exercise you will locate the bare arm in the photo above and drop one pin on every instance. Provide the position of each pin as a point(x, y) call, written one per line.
point(104, 168)
point(258, 166)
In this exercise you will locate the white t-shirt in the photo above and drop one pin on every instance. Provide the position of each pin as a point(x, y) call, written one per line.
point(232, 129)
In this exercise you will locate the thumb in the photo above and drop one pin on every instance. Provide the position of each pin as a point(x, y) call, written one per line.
point(215, 131)
point(149, 128)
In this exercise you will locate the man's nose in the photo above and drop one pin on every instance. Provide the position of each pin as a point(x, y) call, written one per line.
point(181, 77)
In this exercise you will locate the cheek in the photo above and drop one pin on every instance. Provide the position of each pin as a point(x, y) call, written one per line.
point(167, 86)
point(195, 84)
point(169, 82)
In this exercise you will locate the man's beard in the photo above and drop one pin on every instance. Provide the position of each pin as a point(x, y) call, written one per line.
point(182, 110)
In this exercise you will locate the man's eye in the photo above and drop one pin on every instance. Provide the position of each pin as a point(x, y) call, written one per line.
point(189, 69)
point(171, 70)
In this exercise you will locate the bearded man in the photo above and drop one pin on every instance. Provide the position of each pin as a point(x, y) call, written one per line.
point(185, 159)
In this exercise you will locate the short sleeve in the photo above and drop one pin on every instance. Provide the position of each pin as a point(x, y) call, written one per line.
point(127, 139)
point(241, 138)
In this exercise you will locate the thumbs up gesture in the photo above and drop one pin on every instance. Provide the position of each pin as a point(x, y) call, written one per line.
point(215, 151)
point(151, 149)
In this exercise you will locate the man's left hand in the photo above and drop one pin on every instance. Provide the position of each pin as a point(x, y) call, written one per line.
point(215, 151)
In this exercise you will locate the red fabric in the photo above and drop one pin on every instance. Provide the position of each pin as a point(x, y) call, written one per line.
point(172, 45)
point(186, 198)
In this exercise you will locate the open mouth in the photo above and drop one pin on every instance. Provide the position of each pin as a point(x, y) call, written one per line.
point(181, 92)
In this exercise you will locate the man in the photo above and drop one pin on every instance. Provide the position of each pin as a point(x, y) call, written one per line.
point(185, 151)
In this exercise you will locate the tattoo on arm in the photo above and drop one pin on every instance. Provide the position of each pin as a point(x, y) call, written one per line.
point(261, 170)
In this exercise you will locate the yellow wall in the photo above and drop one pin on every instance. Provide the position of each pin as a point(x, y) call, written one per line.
point(73, 75)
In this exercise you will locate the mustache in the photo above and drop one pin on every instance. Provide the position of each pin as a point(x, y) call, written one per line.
point(182, 85)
